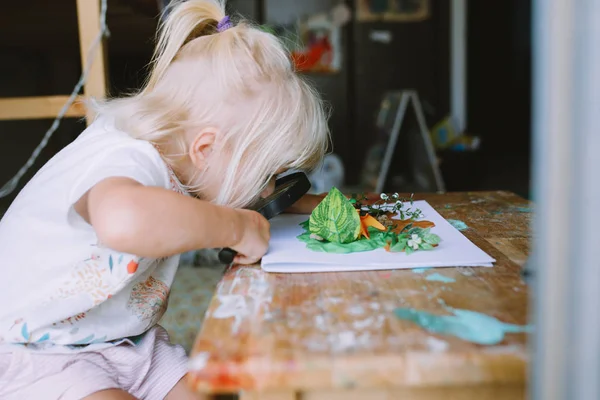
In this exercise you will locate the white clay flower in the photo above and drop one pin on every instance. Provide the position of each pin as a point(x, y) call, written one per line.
point(398, 203)
point(395, 195)
point(415, 241)
point(384, 196)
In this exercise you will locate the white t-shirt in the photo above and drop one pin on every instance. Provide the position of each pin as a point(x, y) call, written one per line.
point(61, 290)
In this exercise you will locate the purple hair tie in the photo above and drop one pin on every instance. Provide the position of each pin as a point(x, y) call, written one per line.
point(224, 24)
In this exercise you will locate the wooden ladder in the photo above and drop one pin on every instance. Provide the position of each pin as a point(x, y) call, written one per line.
point(41, 107)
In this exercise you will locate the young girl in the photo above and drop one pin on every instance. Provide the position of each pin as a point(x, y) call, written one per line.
point(88, 250)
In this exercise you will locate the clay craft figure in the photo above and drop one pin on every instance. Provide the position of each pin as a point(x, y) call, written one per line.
point(341, 225)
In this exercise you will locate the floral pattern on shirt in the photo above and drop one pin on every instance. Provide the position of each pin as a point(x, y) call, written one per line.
point(89, 277)
point(93, 295)
point(148, 300)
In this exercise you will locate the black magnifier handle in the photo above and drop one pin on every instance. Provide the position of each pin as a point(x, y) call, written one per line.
point(227, 255)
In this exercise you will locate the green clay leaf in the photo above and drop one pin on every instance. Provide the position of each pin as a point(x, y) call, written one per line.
point(400, 246)
point(335, 219)
point(426, 246)
point(431, 238)
point(378, 240)
point(409, 250)
point(392, 239)
point(416, 231)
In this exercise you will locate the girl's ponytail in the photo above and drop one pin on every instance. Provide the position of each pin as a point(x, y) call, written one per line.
point(186, 21)
point(206, 72)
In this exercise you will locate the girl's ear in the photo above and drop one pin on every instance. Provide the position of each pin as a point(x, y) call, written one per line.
point(201, 147)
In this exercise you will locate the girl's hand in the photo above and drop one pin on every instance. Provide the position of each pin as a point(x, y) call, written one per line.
point(254, 234)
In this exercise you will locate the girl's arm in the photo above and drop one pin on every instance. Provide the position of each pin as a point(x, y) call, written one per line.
point(155, 222)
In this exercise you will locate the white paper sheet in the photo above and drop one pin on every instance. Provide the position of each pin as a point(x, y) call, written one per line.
point(287, 254)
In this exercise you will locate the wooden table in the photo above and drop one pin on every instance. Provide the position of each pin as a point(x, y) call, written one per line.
point(335, 336)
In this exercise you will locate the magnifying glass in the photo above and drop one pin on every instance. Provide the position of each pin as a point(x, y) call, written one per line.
point(288, 190)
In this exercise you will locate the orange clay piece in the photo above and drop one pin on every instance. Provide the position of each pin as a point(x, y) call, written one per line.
point(401, 224)
point(367, 221)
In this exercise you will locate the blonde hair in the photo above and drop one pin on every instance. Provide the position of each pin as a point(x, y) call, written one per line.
point(201, 76)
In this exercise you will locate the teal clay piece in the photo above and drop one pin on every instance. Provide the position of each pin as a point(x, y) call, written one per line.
point(440, 278)
point(461, 226)
point(467, 325)
point(421, 270)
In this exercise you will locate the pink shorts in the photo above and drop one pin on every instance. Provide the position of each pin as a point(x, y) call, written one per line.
point(147, 371)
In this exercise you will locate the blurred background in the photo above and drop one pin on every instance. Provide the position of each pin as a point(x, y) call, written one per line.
point(359, 53)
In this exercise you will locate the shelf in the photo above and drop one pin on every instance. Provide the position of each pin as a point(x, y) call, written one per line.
point(43, 107)
point(48, 107)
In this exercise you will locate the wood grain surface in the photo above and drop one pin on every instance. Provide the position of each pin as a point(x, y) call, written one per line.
point(325, 333)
